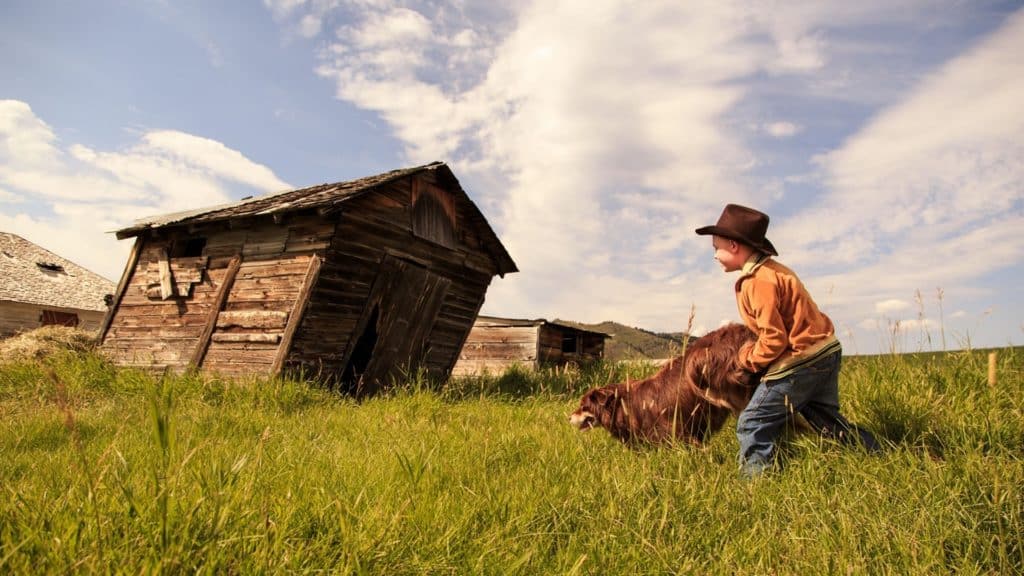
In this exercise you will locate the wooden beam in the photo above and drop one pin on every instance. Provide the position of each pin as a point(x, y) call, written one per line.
point(259, 319)
point(259, 337)
point(218, 303)
point(298, 309)
point(122, 287)
point(167, 288)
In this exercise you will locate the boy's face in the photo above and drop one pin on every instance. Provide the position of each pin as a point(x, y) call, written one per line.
point(729, 253)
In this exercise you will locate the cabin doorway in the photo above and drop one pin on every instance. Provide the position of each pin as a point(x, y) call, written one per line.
point(391, 338)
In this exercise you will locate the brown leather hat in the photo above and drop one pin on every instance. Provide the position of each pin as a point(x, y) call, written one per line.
point(744, 225)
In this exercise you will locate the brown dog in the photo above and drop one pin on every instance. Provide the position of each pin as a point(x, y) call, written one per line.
point(689, 399)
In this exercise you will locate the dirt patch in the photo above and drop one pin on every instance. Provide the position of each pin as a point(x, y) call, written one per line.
point(45, 341)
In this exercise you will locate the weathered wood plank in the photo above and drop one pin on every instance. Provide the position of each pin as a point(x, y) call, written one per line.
point(219, 357)
point(263, 337)
point(154, 333)
point(122, 285)
point(499, 348)
point(166, 281)
point(263, 319)
point(513, 334)
point(211, 321)
point(278, 304)
point(309, 236)
point(301, 302)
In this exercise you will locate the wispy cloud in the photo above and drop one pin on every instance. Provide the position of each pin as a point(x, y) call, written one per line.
point(928, 193)
point(889, 163)
point(781, 129)
point(10, 197)
point(71, 192)
point(602, 149)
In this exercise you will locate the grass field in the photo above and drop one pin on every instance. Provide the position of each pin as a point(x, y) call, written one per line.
point(112, 471)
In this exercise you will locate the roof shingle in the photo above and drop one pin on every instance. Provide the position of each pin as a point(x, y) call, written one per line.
point(32, 274)
point(325, 198)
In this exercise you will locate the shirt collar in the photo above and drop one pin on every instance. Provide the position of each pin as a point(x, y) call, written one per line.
point(753, 263)
point(750, 266)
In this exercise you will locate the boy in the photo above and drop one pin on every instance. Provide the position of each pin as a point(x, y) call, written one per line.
point(796, 351)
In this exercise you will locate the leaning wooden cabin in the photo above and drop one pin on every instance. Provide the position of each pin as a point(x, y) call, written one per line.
point(496, 344)
point(355, 282)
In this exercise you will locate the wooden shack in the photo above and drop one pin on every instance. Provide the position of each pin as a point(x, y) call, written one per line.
point(496, 344)
point(355, 283)
point(40, 288)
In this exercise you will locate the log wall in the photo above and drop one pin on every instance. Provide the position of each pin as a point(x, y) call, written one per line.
point(587, 347)
point(173, 311)
point(370, 229)
point(177, 310)
point(494, 349)
point(17, 317)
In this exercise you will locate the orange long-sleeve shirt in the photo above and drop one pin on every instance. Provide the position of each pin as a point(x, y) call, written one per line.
point(791, 330)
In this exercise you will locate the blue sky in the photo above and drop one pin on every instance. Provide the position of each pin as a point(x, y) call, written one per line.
point(886, 143)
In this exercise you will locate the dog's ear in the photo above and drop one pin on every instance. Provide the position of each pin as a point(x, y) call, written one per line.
point(592, 396)
point(605, 396)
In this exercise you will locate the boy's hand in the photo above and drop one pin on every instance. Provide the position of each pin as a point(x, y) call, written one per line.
point(744, 354)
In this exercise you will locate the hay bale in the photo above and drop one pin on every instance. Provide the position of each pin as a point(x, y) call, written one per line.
point(42, 342)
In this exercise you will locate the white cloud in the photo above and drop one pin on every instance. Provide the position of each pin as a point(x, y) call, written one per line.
point(781, 129)
point(26, 140)
point(85, 193)
point(927, 194)
point(283, 8)
point(602, 149)
point(10, 197)
point(395, 27)
point(310, 26)
point(891, 305)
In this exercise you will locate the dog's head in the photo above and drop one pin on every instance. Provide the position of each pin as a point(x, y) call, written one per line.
point(594, 405)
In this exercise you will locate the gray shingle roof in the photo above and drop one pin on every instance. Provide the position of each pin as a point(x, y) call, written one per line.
point(34, 275)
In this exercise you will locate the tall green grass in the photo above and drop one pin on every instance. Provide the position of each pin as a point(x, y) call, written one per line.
point(109, 470)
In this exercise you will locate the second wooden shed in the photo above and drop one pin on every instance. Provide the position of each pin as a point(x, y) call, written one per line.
point(496, 344)
point(357, 283)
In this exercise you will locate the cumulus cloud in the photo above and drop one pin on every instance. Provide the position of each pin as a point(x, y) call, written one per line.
point(928, 193)
point(599, 150)
point(585, 169)
point(72, 196)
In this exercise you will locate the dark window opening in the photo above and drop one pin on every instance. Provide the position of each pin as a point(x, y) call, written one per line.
point(570, 344)
point(50, 266)
point(190, 248)
point(362, 353)
point(54, 318)
point(433, 217)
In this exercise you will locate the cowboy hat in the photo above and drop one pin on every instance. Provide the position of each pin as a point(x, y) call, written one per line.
point(744, 225)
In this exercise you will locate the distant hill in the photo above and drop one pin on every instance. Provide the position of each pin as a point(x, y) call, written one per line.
point(629, 343)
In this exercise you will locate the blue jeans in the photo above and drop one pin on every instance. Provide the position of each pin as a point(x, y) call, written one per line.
point(813, 391)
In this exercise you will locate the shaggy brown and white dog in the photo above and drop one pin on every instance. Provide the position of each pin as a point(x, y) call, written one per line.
point(689, 399)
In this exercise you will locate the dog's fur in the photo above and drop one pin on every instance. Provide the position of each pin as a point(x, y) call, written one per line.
point(689, 399)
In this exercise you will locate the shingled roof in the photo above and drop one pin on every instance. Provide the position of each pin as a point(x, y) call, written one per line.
point(34, 275)
point(326, 199)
